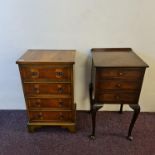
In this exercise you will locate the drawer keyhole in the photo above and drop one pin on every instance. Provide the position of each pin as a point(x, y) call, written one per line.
point(38, 103)
point(36, 89)
point(60, 89)
point(117, 97)
point(40, 116)
point(61, 117)
point(61, 104)
point(34, 73)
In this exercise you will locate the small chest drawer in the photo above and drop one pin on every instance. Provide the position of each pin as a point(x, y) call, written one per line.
point(116, 97)
point(54, 116)
point(119, 73)
point(42, 103)
point(46, 73)
point(47, 88)
point(116, 84)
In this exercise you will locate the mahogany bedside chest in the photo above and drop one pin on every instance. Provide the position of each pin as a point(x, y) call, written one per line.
point(47, 80)
point(116, 78)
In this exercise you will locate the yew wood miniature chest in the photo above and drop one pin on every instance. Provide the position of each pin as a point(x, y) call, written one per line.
point(48, 86)
point(117, 77)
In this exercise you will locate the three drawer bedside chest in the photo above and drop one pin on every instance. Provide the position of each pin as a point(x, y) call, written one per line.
point(116, 78)
point(48, 85)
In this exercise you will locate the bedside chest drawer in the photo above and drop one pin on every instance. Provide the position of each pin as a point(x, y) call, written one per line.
point(45, 73)
point(115, 97)
point(116, 84)
point(44, 103)
point(119, 73)
point(48, 85)
point(54, 116)
point(116, 78)
point(47, 88)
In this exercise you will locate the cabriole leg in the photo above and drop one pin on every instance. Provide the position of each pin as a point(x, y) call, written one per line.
point(93, 114)
point(136, 109)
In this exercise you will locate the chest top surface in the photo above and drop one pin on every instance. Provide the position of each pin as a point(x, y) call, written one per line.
point(116, 57)
point(47, 57)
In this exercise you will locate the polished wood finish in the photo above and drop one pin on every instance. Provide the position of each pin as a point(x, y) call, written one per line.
point(117, 77)
point(116, 57)
point(47, 57)
point(48, 84)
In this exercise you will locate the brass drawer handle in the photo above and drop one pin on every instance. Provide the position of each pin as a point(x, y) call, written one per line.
point(59, 74)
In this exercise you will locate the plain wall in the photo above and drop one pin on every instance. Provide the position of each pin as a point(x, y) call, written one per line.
point(80, 25)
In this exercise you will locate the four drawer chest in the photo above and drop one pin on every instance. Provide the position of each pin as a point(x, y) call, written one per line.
point(116, 78)
point(48, 85)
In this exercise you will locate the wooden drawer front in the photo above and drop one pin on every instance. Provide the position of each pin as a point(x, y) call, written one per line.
point(45, 73)
point(116, 84)
point(47, 88)
point(45, 116)
point(117, 97)
point(49, 103)
point(122, 73)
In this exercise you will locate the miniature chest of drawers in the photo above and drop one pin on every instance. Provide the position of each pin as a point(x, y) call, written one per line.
point(47, 80)
point(117, 76)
